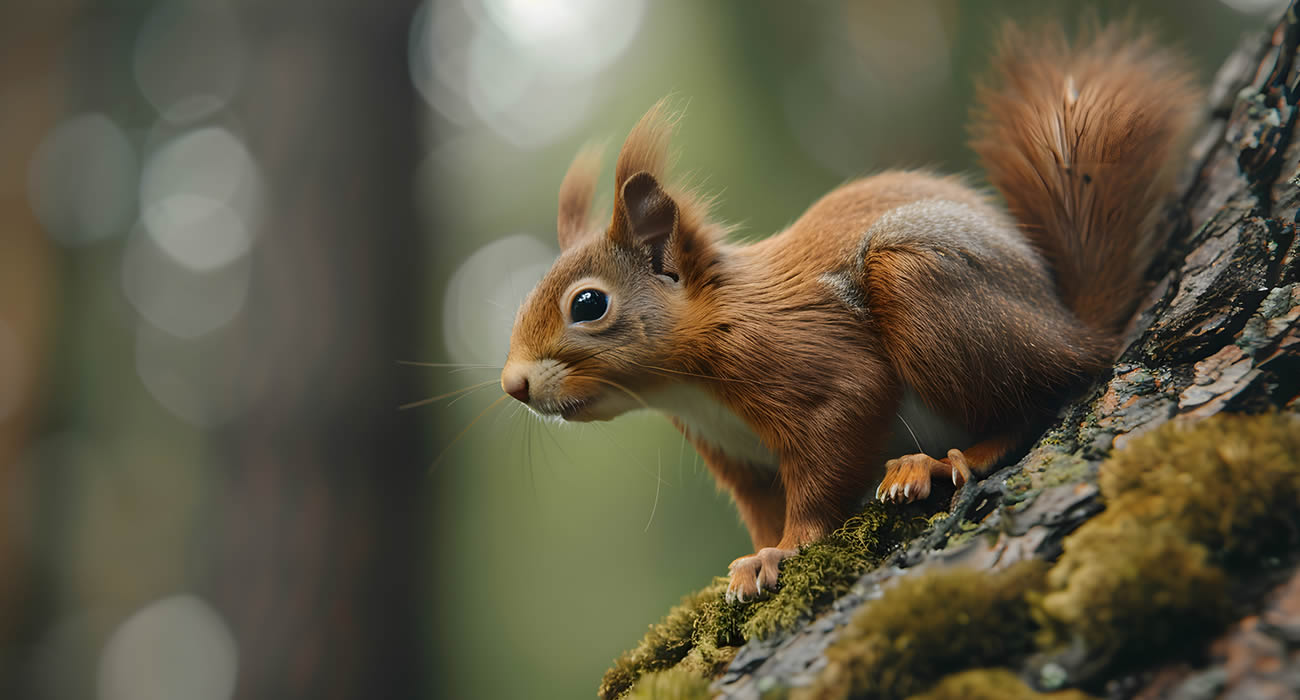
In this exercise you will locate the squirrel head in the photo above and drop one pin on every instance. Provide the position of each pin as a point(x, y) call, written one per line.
point(596, 332)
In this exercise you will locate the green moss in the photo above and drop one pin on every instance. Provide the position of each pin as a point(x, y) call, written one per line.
point(826, 569)
point(928, 624)
point(992, 684)
point(1230, 483)
point(1130, 588)
point(672, 684)
point(717, 634)
point(707, 662)
point(1044, 469)
point(664, 646)
point(966, 531)
point(1182, 501)
point(702, 633)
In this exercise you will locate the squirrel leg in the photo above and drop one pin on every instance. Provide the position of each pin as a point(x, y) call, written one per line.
point(762, 507)
point(908, 478)
point(763, 510)
point(757, 491)
point(817, 500)
point(760, 498)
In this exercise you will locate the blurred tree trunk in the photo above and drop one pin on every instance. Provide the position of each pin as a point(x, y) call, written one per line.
point(318, 551)
point(30, 102)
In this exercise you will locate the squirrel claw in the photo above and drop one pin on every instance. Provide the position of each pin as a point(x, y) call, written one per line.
point(961, 472)
point(754, 575)
point(907, 479)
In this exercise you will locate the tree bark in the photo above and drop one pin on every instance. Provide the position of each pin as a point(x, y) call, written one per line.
point(1220, 331)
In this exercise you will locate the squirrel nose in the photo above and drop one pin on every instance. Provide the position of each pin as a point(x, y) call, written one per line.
point(516, 385)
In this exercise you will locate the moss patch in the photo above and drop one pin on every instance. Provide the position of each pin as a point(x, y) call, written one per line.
point(1182, 503)
point(672, 684)
point(663, 647)
point(1230, 483)
point(1129, 589)
point(702, 633)
point(965, 533)
point(992, 684)
point(1045, 468)
point(928, 624)
point(826, 569)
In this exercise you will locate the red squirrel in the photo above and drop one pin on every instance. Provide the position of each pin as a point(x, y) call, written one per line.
point(790, 362)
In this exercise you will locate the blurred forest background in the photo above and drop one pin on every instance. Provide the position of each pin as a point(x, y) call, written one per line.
point(223, 223)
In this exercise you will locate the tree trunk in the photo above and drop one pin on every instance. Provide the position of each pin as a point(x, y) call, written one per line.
point(318, 527)
point(1220, 332)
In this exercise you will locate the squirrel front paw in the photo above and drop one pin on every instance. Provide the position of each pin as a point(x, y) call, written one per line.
point(908, 478)
point(751, 576)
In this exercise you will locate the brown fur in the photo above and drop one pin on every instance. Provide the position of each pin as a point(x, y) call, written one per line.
point(760, 497)
point(1082, 143)
point(904, 279)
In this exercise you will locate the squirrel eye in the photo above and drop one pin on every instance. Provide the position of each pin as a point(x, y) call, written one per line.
point(589, 305)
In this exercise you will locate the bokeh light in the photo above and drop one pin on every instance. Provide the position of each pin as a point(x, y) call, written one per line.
point(177, 647)
point(198, 232)
point(189, 58)
point(519, 67)
point(1256, 7)
point(182, 301)
point(192, 377)
point(199, 196)
point(576, 38)
point(483, 294)
point(82, 180)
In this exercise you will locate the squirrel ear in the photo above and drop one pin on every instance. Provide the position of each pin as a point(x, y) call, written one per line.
point(572, 222)
point(649, 218)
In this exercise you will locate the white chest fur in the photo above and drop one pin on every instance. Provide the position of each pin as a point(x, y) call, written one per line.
point(708, 419)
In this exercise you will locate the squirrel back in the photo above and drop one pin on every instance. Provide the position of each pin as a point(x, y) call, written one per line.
point(1080, 141)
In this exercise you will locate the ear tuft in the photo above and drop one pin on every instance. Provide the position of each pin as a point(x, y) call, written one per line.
point(646, 147)
point(579, 185)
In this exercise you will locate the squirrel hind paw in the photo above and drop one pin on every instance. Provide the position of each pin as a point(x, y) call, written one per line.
point(755, 575)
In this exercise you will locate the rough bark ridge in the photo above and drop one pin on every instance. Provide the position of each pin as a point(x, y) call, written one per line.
point(1219, 332)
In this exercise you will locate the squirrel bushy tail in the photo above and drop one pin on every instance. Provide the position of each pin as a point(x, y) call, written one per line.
point(1084, 143)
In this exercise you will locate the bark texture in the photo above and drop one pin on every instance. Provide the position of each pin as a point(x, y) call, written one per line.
point(1219, 332)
